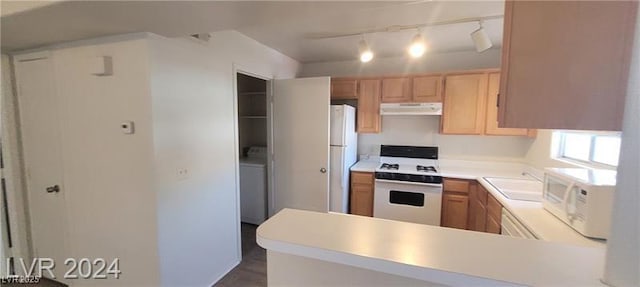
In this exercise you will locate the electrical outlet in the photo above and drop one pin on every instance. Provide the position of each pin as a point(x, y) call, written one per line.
point(183, 173)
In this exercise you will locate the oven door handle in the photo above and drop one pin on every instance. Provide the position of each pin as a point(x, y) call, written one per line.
point(409, 182)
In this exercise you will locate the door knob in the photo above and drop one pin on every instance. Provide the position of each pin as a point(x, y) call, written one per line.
point(52, 189)
point(323, 170)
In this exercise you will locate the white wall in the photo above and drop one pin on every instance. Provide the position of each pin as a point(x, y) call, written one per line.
point(424, 130)
point(623, 247)
point(123, 194)
point(436, 62)
point(540, 151)
point(194, 128)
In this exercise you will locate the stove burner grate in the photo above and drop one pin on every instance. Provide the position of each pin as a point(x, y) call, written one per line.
point(390, 166)
point(426, 168)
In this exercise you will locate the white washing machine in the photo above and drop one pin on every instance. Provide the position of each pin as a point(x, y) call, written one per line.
point(253, 186)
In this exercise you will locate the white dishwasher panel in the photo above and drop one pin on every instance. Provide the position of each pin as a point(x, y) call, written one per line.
point(512, 227)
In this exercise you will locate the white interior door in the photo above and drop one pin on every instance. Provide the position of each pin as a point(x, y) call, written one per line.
point(301, 144)
point(42, 157)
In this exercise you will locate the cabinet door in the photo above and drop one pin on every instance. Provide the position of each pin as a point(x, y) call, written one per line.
point(492, 111)
point(454, 211)
point(362, 199)
point(426, 89)
point(480, 216)
point(369, 106)
point(493, 226)
point(362, 193)
point(494, 208)
point(396, 90)
point(464, 104)
point(565, 64)
point(344, 89)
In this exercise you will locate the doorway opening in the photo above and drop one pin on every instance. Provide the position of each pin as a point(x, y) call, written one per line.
point(253, 148)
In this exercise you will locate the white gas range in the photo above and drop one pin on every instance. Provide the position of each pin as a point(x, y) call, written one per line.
point(408, 186)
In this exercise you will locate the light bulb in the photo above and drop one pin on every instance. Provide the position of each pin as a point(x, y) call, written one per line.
point(366, 54)
point(418, 46)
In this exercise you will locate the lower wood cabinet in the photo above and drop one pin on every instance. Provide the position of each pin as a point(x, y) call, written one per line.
point(454, 210)
point(494, 215)
point(466, 204)
point(455, 203)
point(361, 197)
point(477, 209)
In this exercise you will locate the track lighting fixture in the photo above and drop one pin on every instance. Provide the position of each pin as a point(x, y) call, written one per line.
point(481, 39)
point(418, 46)
point(366, 54)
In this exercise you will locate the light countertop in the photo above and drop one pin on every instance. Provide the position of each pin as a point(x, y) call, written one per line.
point(365, 166)
point(532, 215)
point(430, 253)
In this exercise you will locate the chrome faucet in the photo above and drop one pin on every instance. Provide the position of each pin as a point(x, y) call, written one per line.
point(525, 173)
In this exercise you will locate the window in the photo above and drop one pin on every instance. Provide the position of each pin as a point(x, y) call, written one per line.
point(594, 149)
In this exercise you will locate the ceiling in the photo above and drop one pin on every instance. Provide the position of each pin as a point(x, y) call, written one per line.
point(284, 26)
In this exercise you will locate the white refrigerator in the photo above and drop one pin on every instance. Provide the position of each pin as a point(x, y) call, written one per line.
point(343, 154)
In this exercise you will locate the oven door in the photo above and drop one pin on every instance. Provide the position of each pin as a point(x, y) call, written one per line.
point(407, 201)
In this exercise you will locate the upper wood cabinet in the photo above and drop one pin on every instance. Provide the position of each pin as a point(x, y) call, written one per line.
point(565, 64)
point(491, 127)
point(464, 105)
point(396, 90)
point(427, 89)
point(344, 89)
point(368, 111)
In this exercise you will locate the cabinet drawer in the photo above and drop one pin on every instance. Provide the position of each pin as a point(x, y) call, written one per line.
point(494, 208)
point(365, 178)
point(456, 185)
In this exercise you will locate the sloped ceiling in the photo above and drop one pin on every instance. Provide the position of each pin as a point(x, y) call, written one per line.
point(284, 26)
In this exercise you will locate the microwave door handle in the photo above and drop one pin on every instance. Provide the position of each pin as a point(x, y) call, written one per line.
point(565, 201)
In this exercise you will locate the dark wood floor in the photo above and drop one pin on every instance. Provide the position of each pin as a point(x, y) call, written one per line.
point(252, 271)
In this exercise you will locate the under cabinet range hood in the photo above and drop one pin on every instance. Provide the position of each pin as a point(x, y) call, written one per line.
point(411, 109)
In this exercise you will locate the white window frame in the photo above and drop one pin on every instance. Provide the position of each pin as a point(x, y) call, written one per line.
point(559, 149)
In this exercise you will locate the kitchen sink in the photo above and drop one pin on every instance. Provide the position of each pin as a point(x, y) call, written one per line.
point(517, 189)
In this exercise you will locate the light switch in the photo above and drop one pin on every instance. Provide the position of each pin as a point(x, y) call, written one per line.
point(102, 66)
point(127, 127)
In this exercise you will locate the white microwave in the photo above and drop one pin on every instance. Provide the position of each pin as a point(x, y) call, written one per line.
point(581, 198)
